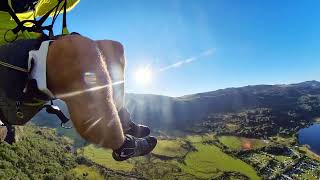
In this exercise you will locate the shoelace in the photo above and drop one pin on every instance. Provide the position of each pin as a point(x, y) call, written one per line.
point(142, 146)
point(139, 147)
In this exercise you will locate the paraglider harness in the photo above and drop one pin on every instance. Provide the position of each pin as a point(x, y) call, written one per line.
point(38, 24)
point(30, 91)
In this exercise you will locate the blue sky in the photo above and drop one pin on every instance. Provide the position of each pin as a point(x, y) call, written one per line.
point(232, 43)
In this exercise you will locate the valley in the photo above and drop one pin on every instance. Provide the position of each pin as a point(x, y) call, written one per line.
point(217, 157)
point(237, 133)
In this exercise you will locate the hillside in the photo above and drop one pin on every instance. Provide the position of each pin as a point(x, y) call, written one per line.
point(182, 112)
point(40, 154)
point(252, 109)
point(235, 133)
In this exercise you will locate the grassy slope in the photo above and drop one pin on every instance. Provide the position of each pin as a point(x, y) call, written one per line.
point(38, 155)
point(210, 160)
point(78, 141)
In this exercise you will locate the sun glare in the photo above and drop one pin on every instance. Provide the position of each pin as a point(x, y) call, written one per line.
point(143, 75)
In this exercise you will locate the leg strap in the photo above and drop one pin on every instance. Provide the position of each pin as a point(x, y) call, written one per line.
point(37, 64)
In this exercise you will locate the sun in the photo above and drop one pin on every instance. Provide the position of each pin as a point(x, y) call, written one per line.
point(143, 75)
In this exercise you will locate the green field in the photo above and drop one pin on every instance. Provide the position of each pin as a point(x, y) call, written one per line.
point(170, 148)
point(305, 150)
point(200, 138)
point(89, 173)
point(283, 140)
point(239, 143)
point(207, 161)
point(283, 159)
point(104, 157)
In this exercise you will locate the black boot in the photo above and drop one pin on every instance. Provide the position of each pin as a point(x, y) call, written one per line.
point(133, 147)
point(129, 127)
point(10, 138)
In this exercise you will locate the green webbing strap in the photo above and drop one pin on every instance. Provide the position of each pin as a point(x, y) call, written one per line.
point(13, 14)
point(64, 21)
point(38, 25)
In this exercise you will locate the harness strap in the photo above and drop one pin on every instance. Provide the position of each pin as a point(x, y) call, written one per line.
point(64, 21)
point(17, 68)
point(12, 14)
point(52, 109)
point(38, 24)
point(39, 28)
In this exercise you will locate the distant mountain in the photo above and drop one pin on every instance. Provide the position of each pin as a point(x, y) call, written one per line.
point(181, 112)
point(165, 112)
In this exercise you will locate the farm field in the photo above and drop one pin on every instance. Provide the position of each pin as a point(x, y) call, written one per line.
point(170, 148)
point(209, 161)
point(238, 143)
point(104, 158)
point(180, 158)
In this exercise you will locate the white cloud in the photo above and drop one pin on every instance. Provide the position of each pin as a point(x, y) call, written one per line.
point(206, 53)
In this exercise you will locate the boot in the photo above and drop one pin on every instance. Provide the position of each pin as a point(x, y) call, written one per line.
point(131, 128)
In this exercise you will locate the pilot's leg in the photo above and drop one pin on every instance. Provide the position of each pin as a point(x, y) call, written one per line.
point(113, 53)
point(92, 112)
point(90, 101)
point(10, 138)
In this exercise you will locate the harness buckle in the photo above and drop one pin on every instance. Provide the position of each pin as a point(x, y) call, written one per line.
point(52, 109)
point(19, 114)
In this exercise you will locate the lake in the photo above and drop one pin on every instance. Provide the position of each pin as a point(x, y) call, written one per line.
point(311, 136)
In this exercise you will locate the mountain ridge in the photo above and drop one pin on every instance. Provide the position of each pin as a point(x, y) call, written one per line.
point(165, 112)
point(180, 112)
point(310, 82)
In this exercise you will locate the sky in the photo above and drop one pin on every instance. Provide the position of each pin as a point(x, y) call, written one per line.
point(195, 46)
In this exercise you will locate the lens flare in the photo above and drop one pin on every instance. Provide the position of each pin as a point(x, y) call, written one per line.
point(143, 75)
